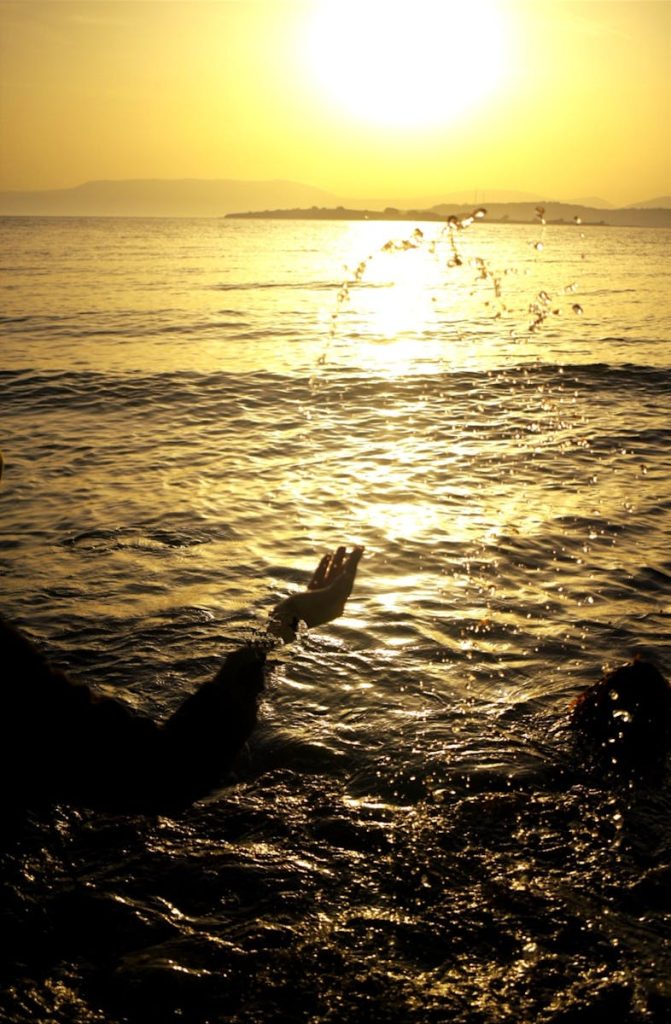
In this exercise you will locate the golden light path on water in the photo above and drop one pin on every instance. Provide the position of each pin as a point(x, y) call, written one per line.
point(409, 313)
point(418, 317)
point(434, 297)
point(410, 316)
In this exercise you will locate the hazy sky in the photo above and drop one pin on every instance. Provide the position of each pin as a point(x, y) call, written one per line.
point(555, 97)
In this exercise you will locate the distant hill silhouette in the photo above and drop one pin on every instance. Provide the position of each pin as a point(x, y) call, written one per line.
point(336, 213)
point(194, 197)
point(188, 197)
point(512, 213)
point(566, 213)
point(662, 202)
point(595, 202)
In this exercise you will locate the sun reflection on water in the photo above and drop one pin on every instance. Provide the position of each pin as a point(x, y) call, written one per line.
point(400, 301)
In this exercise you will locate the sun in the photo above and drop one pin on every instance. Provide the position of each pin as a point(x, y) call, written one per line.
point(402, 64)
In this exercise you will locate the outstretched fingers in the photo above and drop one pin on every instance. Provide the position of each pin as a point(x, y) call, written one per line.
point(325, 596)
point(348, 570)
point(337, 564)
point(335, 567)
point(342, 573)
point(320, 574)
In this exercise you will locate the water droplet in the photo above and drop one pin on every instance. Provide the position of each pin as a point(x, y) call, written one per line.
point(577, 308)
point(578, 220)
point(538, 246)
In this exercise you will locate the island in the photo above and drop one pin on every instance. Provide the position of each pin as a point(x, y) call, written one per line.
point(567, 214)
point(337, 213)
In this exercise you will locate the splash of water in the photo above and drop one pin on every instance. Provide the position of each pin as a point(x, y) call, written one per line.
point(540, 308)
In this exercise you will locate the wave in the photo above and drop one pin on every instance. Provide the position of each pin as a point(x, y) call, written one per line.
point(327, 285)
point(37, 388)
point(564, 373)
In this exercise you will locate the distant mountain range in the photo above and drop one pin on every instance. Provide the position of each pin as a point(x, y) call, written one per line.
point(194, 197)
point(661, 202)
point(146, 197)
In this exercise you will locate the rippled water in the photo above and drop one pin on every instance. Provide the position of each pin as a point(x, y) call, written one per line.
point(190, 416)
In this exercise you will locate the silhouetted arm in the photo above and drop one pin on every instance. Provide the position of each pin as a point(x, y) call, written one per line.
point(202, 739)
point(59, 740)
point(206, 733)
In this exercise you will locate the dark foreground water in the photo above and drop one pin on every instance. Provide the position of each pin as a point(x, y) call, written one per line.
point(190, 416)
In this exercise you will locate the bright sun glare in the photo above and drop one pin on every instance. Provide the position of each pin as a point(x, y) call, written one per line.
point(404, 64)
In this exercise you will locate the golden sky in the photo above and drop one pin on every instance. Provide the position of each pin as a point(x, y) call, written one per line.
point(410, 98)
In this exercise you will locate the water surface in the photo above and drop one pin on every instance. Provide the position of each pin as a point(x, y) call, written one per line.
point(192, 411)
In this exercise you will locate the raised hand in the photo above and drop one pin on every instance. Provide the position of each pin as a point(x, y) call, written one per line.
point(325, 597)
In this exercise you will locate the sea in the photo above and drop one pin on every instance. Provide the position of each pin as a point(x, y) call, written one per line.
point(191, 413)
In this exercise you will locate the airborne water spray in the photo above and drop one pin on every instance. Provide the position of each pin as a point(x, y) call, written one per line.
point(540, 307)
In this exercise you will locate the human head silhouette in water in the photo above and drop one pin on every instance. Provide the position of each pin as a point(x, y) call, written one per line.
point(624, 720)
